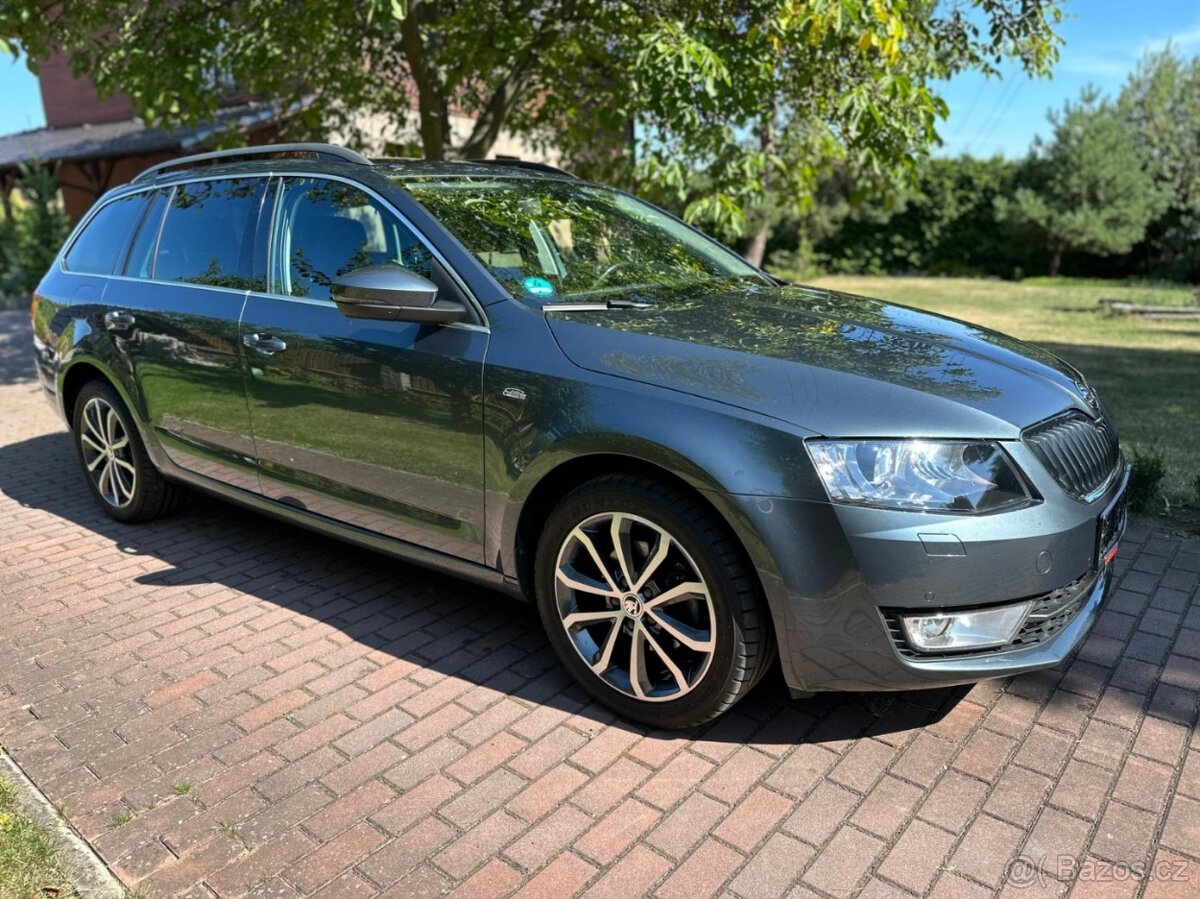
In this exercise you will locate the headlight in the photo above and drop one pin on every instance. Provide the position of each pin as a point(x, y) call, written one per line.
point(943, 476)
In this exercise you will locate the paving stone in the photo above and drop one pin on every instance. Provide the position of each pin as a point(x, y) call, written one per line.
point(342, 727)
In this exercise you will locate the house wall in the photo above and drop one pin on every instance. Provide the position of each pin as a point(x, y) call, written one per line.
point(68, 100)
point(82, 183)
point(379, 132)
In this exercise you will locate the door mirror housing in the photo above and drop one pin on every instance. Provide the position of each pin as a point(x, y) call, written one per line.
point(393, 293)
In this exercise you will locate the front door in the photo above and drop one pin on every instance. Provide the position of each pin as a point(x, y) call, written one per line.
point(375, 424)
point(174, 315)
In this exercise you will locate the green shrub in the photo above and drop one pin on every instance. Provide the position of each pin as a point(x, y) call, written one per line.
point(1149, 468)
point(38, 228)
point(1196, 489)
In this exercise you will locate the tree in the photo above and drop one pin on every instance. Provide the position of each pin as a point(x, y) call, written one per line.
point(34, 234)
point(1161, 100)
point(1091, 187)
point(766, 97)
point(745, 96)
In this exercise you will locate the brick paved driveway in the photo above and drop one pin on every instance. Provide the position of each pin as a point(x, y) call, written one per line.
point(223, 706)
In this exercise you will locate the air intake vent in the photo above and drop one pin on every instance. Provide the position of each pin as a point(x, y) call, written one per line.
point(1079, 452)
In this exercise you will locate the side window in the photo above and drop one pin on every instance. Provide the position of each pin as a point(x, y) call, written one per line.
point(96, 250)
point(141, 255)
point(208, 235)
point(324, 229)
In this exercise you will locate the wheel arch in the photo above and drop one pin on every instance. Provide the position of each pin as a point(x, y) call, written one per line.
point(545, 490)
point(83, 368)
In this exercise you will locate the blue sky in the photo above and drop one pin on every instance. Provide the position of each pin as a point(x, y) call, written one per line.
point(1104, 39)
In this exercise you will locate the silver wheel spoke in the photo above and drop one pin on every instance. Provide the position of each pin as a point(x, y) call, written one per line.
point(100, 457)
point(576, 581)
point(91, 418)
point(678, 592)
point(584, 539)
point(111, 426)
point(667, 660)
point(122, 443)
point(622, 547)
point(105, 482)
point(125, 466)
point(661, 548)
point(575, 619)
point(602, 664)
point(92, 444)
point(691, 637)
point(124, 491)
point(637, 661)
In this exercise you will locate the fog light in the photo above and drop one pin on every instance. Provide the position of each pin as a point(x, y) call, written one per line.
point(965, 630)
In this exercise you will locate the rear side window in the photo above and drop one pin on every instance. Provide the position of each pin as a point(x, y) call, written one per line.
point(208, 235)
point(97, 249)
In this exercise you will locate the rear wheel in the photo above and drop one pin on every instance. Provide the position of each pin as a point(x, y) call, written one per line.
point(648, 601)
point(114, 460)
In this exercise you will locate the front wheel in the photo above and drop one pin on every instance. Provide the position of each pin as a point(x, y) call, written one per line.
point(648, 601)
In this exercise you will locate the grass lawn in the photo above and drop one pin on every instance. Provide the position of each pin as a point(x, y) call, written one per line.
point(1147, 370)
point(28, 866)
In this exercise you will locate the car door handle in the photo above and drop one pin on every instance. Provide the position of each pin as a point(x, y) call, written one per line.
point(264, 344)
point(116, 320)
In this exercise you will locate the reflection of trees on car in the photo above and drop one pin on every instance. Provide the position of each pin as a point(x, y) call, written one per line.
point(583, 239)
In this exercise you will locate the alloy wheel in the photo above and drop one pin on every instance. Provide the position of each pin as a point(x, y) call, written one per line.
point(107, 454)
point(635, 606)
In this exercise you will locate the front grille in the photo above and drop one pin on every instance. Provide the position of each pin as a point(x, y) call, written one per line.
point(1050, 613)
point(1080, 453)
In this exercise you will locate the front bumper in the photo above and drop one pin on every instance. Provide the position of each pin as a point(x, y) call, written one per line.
point(836, 603)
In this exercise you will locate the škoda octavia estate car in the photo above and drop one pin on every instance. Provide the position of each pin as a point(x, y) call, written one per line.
point(554, 389)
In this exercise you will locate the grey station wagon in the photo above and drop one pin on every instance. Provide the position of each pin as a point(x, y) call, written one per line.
point(558, 391)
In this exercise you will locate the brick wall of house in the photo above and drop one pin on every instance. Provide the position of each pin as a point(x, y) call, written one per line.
point(68, 100)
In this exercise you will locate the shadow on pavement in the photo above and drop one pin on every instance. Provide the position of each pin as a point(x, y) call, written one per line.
point(432, 620)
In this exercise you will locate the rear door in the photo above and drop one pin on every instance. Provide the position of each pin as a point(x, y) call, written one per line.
point(174, 314)
point(376, 424)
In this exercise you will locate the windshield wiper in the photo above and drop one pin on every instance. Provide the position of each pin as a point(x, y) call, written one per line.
point(592, 306)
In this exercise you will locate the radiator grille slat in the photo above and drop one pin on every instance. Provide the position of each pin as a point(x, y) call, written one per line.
point(1080, 453)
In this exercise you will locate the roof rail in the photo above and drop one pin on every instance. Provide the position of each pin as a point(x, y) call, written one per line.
point(520, 163)
point(328, 151)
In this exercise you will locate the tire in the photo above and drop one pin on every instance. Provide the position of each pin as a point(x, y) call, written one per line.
point(674, 662)
point(113, 458)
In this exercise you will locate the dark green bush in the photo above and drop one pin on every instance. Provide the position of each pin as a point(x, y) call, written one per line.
point(30, 241)
point(1149, 468)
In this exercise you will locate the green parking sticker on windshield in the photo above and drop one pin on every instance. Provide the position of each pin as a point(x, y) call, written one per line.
point(538, 287)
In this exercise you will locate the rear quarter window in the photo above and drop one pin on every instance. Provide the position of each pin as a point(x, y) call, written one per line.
point(97, 249)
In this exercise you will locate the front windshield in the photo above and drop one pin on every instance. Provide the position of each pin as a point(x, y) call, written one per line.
point(554, 241)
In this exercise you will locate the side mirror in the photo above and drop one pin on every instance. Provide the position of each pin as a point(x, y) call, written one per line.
point(393, 293)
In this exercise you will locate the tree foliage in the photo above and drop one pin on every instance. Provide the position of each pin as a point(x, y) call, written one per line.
point(767, 97)
point(946, 225)
point(1092, 188)
point(30, 240)
point(1161, 101)
point(748, 97)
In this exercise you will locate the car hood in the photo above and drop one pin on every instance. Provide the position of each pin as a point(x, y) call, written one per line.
point(832, 363)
